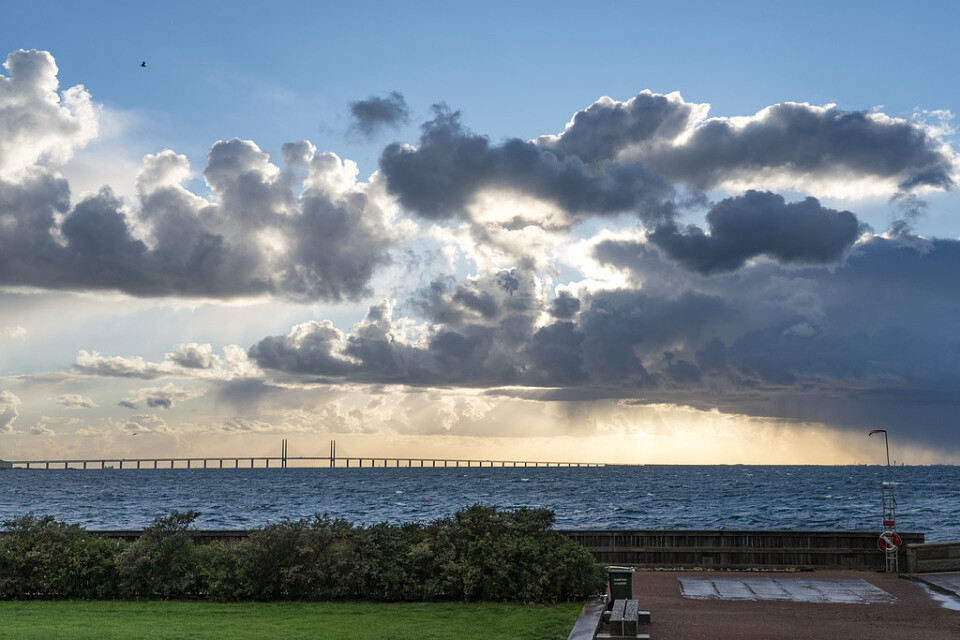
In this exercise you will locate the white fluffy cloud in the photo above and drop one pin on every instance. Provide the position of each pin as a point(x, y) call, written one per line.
point(9, 404)
point(191, 360)
point(39, 124)
point(76, 401)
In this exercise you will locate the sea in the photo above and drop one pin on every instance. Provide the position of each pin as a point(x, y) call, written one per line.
point(809, 498)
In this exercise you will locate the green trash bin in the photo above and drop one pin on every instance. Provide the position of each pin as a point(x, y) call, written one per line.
point(621, 583)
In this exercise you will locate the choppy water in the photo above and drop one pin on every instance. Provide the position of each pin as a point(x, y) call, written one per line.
point(648, 497)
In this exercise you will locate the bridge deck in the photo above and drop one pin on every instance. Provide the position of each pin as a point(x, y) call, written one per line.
point(277, 462)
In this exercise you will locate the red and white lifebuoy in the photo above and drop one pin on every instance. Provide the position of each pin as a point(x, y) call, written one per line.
point(888, 541)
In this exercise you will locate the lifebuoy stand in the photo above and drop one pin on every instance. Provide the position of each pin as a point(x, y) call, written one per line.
point(889, 541)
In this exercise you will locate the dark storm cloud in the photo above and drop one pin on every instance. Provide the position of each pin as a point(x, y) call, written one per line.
point(375, 113)
point(165, 397)
point(440, 178)
point(806, 140)
point(485, 334)
point(308, 349)
point(829, 345)
point(616, 157)
point(564, 306)
point(760, 223)
point(480, 325)
point(872, 342)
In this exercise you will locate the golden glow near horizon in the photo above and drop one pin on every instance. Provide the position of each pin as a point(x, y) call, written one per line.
point(473, 425)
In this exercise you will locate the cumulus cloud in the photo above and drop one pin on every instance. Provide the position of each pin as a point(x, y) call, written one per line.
point(146, 423)
point(479, 324)
point(307, 231)
point(601, 131)
point(120, 367)
point(40, 429)
point(616, 157)
point(165, 397)
point(255, 238)
point(188, 360)
point(376, 113)
point(8, 411)
point(809, 142)
point(194, 356)
point(760, 223)
point(782, 146)
point(451, 166)
point(39, 124)
point(76, 401)
point(484, 332)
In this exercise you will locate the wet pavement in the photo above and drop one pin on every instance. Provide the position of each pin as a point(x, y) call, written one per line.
point(943, 582)
point(762, 605)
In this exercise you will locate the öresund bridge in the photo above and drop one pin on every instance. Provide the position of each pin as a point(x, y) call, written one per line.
point(282, 461)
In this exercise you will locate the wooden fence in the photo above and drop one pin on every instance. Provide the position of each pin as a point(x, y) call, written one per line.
point(739, 549)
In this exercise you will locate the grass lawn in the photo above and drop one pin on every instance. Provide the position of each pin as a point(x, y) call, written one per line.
point(166, 620)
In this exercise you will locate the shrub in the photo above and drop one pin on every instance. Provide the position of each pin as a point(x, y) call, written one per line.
point(483, 554)
point(478, 554)
point(163, 562)
point(44, 558)
point(294, 560)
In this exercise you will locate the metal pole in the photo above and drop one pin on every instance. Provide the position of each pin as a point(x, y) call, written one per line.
point(887, 445)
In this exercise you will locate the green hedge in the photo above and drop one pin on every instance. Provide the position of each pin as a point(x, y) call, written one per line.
point(478, 554)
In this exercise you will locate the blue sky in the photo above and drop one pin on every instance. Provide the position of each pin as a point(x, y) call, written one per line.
point(372, 336)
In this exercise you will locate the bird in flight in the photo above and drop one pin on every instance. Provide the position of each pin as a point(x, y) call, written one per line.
point(143, 64)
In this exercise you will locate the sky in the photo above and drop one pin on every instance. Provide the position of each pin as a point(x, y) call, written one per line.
point(625, 232)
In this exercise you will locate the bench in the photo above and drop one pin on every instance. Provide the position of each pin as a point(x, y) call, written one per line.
point(623, 619)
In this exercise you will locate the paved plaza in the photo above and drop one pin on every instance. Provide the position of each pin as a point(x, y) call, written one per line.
point(807, 605)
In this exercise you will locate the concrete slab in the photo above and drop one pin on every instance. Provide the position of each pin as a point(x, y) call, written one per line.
point(816, 590)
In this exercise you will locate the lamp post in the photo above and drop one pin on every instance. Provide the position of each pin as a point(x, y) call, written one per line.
point(887, 445)
point(889, 541)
